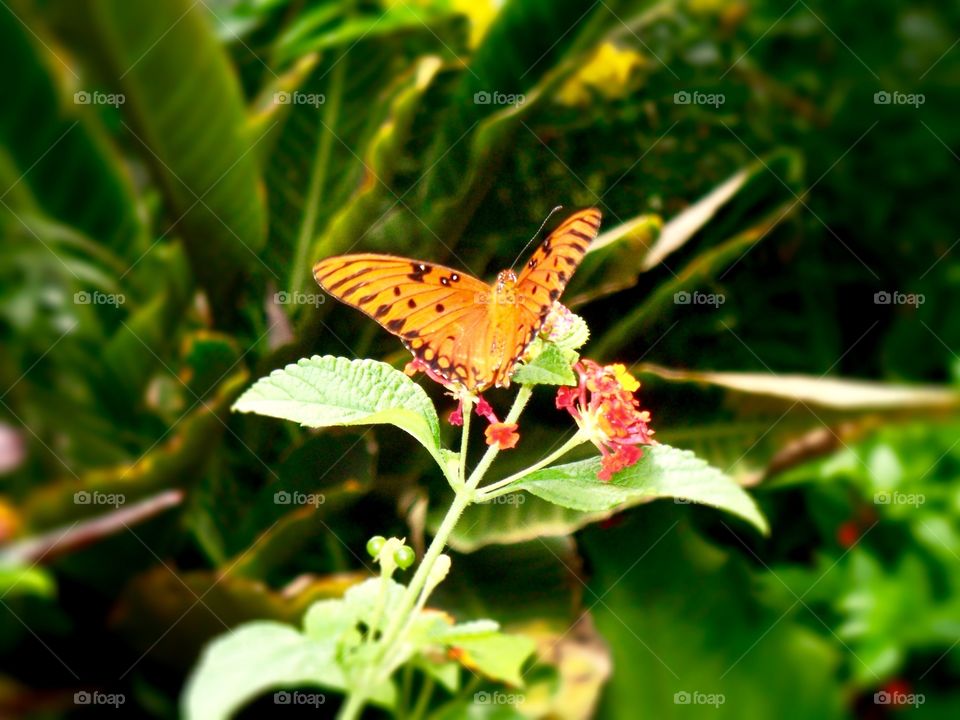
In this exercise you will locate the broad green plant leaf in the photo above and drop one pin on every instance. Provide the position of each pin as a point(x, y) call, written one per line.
point(328, 391)
point(184, 107)
point(663, 471)
point(259, 657)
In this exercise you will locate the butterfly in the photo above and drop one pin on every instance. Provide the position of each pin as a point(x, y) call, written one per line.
point(468, 332)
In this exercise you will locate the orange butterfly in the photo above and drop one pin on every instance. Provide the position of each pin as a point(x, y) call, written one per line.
point(466, 331)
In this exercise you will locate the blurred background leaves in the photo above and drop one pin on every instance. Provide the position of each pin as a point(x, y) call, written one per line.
point(170, 171)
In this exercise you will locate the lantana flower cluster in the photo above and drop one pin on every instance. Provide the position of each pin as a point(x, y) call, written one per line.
point(605, 408)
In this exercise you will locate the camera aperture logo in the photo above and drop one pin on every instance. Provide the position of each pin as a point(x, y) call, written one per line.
point(96, 497)
point(498, 698)
point(85, 697)
point(698, 298)
point(98, 298)
point(284, 497)
point(699, 698)
point(695, 97)
point(299, 98)
point(883, 97)
point(485, 97)
point(299, 698)
point(898, 298)
point(299, 298)
point(84, 97)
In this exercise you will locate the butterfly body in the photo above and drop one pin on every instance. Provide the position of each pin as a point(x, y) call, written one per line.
point(468, 332)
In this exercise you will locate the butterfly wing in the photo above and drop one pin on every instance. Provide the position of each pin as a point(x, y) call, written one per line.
point(443, 316)
point(547, 273)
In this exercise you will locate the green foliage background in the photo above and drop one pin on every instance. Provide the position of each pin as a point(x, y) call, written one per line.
point(197, 206)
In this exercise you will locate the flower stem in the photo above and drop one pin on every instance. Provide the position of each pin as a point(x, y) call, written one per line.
point(465, 494)
point(501, 487)
point(352, 708)
point(464, 438)
point(520, 402)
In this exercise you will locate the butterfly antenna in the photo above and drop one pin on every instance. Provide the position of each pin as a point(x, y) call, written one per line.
point(536, 234)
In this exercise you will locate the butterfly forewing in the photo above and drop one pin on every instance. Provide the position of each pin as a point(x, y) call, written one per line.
point(439, 313)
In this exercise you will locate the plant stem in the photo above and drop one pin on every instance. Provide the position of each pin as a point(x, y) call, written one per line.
point(490, 455)
point(352, 708)
point(467, 408)
point(501, 487)
point(423, 699)
point(465, 493)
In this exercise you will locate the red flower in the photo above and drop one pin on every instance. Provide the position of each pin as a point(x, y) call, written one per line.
point(503, 435)
point(604, 406)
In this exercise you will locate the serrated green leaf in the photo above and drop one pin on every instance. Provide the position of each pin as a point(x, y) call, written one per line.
point(551, 367)
point(327, 391)
point(663, 471)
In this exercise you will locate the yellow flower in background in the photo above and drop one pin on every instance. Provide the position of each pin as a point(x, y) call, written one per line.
point(609, 72)
point(481, 14)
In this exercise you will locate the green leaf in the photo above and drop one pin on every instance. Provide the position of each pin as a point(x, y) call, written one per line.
point(18, 580)
point(828, 392)
point(184, 106)
point(261, 656)
point(56, 144)
point(251, 660)
point(327, 391)
point(687, 619)
point(697, 272)
point(446, 673)
point(663, 471)
point(497, 655)
point(550, 367)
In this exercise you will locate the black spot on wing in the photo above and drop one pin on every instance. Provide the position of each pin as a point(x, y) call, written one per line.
point(419, 271)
